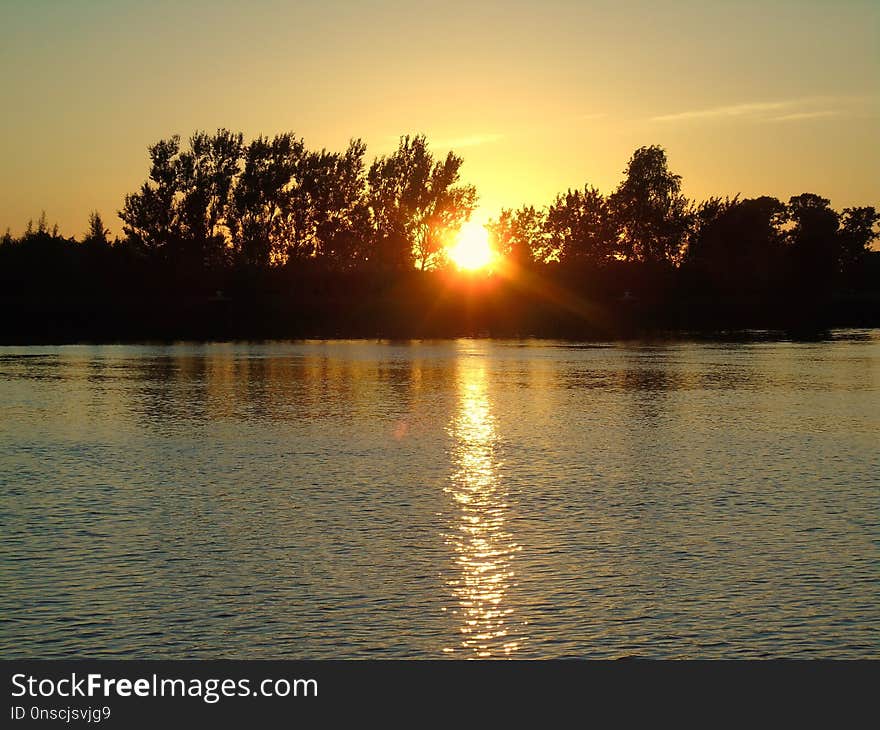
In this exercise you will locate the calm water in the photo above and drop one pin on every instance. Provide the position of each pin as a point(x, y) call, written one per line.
point(466, 498)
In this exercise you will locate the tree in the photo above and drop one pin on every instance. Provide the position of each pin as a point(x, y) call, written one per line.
point(329, 207)
point(268, 202)
point(579, 227)
point(416, 203)
point(857, 233)
point(261, 219)
point(205, 178)
point(813, 239)
point(736, 243)
point(150, 217)
point(97, 233)
point(181, 210)
point(520, 235)
point(648, 209)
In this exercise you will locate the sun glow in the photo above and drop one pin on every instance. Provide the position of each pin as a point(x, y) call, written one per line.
point(471, 250)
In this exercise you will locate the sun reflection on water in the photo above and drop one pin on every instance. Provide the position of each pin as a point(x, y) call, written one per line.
point(483, 546)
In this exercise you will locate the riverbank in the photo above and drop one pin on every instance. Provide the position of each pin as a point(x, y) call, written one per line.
point(417, 308)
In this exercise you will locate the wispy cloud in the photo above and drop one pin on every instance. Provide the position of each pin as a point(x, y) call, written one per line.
point(807, 115)
point(735, 110)
point(787, 110)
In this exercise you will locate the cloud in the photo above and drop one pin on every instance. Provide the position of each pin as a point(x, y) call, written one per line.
point(806, 115)
point(736, 110)
point(788, 110)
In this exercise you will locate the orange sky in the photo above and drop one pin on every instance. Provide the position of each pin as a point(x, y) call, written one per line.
point(749, 97)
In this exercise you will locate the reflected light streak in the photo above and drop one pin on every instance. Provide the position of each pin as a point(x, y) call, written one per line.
point(483, 547)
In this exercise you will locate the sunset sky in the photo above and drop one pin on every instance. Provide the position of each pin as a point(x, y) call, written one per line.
point(748, 97)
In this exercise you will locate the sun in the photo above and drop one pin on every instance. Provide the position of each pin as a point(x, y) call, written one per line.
point(471, 250)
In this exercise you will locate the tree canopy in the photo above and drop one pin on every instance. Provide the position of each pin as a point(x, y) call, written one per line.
point(328, 236)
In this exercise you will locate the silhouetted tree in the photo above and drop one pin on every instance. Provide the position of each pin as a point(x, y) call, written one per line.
point(44, 239)
point(330, 209)
point(205, 178)
point(648, 209)
point(416, 203)
point(703, 216)
point(813, 240)
point(856, 234)
point(737, 244)
point(521, 235)
point(97, 234)
point(181, 211)
point(293, 235)
point(579, 227)
point(262, 220)
point(150, 217)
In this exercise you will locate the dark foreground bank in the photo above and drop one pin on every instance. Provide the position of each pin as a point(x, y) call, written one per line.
point(609, 303)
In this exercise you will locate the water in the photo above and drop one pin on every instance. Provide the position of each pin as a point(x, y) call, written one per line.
point(462, 498)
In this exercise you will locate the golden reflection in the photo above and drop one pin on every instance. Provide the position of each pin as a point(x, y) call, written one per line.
point(483, 547)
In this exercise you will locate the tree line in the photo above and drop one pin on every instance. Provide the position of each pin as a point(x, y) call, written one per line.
point(729, 243)
point(304, 231)
point(272, 201)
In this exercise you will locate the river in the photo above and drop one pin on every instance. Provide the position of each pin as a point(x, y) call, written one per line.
point(467, 498)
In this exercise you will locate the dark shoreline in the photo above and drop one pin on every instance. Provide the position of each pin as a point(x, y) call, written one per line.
point(626, 301)
point(200, 322)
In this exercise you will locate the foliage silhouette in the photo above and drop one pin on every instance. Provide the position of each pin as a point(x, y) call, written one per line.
point(580, 227)
point(266, 238)
point(651, 215)
point(416, 203)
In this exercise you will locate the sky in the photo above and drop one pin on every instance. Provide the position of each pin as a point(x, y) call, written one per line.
point(774, 98)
